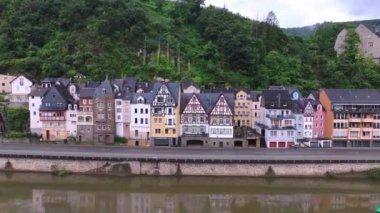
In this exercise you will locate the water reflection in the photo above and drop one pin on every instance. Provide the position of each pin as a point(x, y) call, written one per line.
point(60, 197)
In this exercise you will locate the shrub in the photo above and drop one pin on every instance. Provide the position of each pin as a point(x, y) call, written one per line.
point(17, 119)
point(120, 140)
point(375, 173)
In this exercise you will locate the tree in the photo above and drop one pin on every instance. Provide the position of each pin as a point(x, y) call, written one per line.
point(271, 19)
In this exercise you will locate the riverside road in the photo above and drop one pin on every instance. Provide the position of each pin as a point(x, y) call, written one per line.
point(119, 153)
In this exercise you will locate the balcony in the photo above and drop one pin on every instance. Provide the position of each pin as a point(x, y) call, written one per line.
point(52, 118)
point(354, 120)
point(280, 116)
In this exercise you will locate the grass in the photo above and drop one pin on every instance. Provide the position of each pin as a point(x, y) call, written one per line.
point(59, 172)
point(375, 173)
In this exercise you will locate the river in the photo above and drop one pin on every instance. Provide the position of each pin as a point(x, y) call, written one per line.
point(44, 193)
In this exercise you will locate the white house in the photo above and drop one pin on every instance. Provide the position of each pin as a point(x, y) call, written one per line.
point(35, 100)
point(72, 120)
point(123, 113)
point(140, 119)
point(308, 120)
point(21, 87)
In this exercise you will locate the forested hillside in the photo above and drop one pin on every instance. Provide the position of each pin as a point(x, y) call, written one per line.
point(171, 39)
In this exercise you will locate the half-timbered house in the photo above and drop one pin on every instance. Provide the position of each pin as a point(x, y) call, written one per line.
point(165, 114)
point(194, 117)
point(221, 117)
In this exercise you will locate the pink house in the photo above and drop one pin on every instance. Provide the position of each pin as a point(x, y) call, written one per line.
point(318, 120)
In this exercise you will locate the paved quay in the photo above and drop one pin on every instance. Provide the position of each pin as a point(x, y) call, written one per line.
point(119, 153)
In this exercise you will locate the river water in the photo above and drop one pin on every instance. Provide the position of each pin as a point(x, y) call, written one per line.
point(43, 193)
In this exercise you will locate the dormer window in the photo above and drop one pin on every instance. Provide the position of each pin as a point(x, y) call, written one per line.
point(75, 107)
point(104, 91)
point(140, 100)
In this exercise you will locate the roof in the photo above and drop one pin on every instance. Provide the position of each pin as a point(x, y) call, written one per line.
point(53, 80)
point(222, 90)
point(187, 83)
point(374, 29)
point(38, 91)
point(148, 97)
point(56, 98)
point(86, 92)
point(145, 86)
point(255, 94)
point(172, 87)
point(104, 89)
point(353, 96)
point(208, 100)
point(277, 99)
point(92, 84)
point(21, 76)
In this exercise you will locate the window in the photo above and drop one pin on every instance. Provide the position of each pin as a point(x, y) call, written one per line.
point(160, 99)
point(135, 120)
point(84, 101)
point(170, 121)
point(118, 110)
point(118, 117)
point(118, 103)
point(141, 111)
point(174, 131)
point(136, 133)
point(370, 44)
point(146, 120)
point(166, 131)
point(273, 133)
point(21, 81)
point(146, 111)
point(100, 116)
point(170, 111)
point(136, 110)
point(141, 121)
point(157, 131)
point(34, 113)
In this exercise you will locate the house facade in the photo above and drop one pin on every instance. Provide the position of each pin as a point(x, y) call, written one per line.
point(369, 41)
point(308, 117)
point(243, 109)
point(278, 129)
point(123, 113)
point(53, 113)
point(221, 117)
point(104, 113)
point(5, 83)
point(35, 101)
point(256, 108)
point(85, 121)
point(352, 117)
point(318, 120)
point(140, 111)
point(165, 114)
point(21, 87)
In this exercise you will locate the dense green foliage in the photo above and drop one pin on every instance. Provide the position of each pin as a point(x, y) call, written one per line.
point(171, 39)
point(17, 119)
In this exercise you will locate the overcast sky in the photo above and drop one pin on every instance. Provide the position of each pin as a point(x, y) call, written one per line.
point(297, 13)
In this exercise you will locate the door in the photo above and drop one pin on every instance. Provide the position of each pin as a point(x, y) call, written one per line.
point(47, 135)
point(80, 138)
point(221, 144)
point(107, 139)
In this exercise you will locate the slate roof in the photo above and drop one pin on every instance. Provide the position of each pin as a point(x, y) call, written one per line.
point(373, 28)
point(187, 83)
point(104, 89)
point(208, 100)
point(276, 99)
point(86, 92)
point(353, 96)
point(172, 87)
point(92, 84)
point(255, 94)
point(56, 98)
point(315, 94)
point(38, 91)
point(146, 87)
point(147, 96)
point(221, 90)
point(53, 80)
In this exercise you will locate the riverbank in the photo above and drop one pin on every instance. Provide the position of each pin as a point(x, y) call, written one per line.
point(162, 168)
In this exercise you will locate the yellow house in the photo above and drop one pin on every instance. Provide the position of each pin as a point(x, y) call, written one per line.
point(5, 83)
point(165, 114)
point(243, 109)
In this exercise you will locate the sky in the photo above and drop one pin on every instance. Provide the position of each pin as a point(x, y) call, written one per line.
point(298, 13)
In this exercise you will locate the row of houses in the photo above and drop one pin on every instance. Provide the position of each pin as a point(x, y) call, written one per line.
point(182, 114)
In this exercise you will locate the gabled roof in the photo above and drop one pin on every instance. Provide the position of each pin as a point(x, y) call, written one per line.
point(353, 96)
point(374, 29)
point(172, 87)
point(125, 95)
point(104, 89)
point(21, 76)
point(56, 98)
point(148, 97)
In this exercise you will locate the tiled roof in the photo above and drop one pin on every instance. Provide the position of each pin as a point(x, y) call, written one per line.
point(374, 29)
point(172, 87)
point(53, 80)
point(56, 98)
point(353, 96)
point(255, 94)
point(208, 100)
point(145, 86)
point(86, 92)
point(277, 99)
point(148, 97)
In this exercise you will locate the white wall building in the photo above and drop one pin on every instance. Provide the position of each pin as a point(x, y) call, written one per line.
point(308, 120)
point(140, 117)
point(72, 120)
point(123, 113)
point(35, 100)
point(21, 87)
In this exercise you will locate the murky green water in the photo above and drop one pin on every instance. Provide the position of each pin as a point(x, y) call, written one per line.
point(42, 193)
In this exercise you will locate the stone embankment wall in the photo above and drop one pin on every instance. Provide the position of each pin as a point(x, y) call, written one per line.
point(187, 169)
